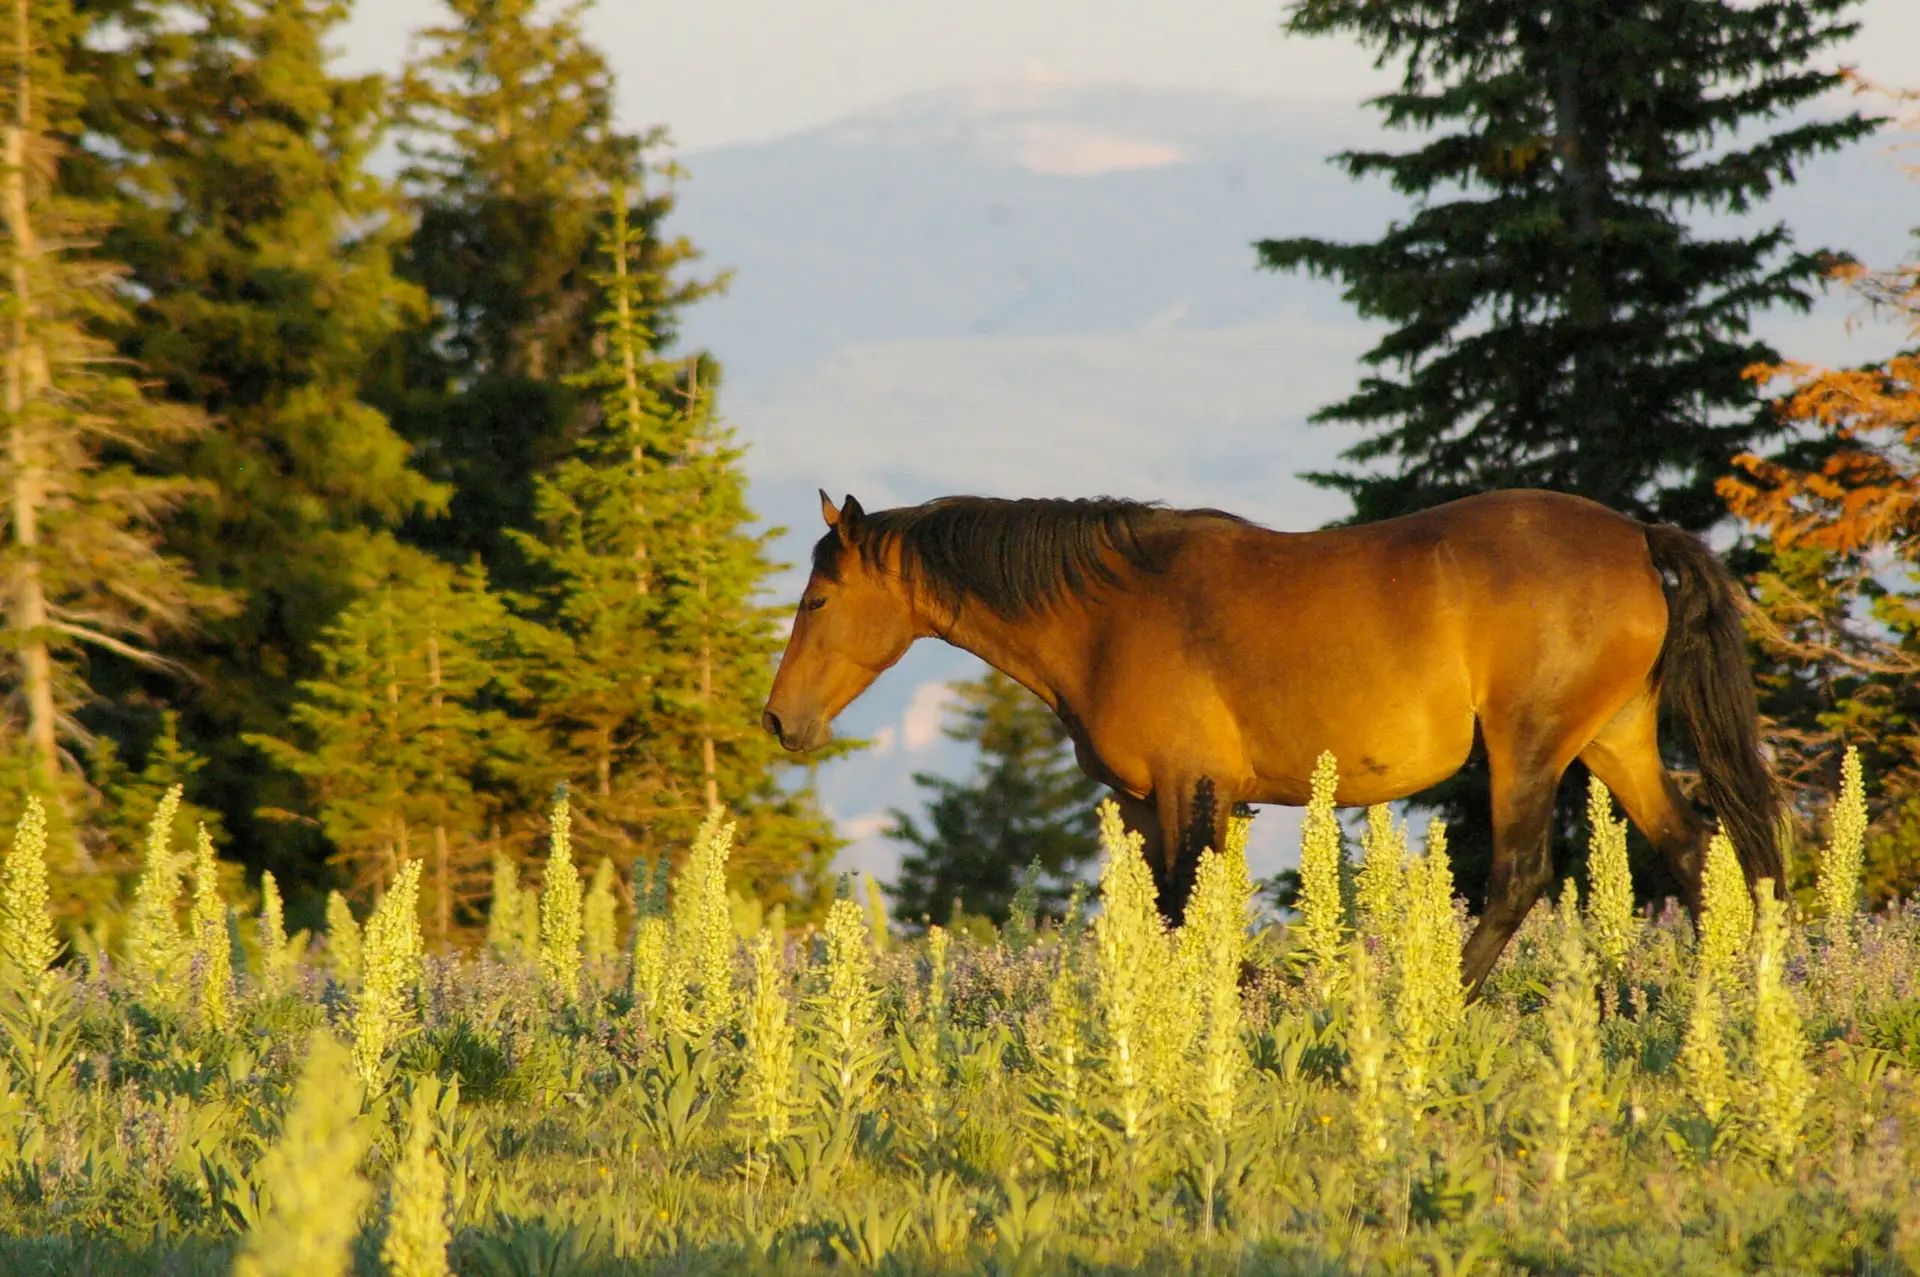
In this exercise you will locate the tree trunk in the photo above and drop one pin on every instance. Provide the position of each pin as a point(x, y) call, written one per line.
point(1584, 181)
point(442, 876)
point(708, 763)
point(630, 384)
point(26, 379)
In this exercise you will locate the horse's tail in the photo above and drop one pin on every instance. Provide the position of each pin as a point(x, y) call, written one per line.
point(1704, 674)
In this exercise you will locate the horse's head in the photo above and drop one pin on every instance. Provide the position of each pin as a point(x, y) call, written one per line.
point(854, 622)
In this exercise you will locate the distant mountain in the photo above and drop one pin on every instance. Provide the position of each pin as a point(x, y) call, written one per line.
point(1044, 288)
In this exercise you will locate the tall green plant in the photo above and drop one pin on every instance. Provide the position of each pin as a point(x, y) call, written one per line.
point(560, 921)
point(1323, 920)
point(384, 1010)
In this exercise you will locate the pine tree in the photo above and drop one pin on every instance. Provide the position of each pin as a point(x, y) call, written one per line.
point(1556, 322)
point(405, 741)
point(84, 569)
point(661, 653)
point(507, 120)
point(260, 249)
point(129, 798)
point(1026, 800)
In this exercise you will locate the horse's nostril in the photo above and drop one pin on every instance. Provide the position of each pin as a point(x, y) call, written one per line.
point(770, 721)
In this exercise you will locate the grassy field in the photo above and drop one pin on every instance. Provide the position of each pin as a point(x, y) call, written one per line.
point(1094, 1096)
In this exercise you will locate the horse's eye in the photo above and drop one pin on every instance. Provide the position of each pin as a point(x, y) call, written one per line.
point(814, 605)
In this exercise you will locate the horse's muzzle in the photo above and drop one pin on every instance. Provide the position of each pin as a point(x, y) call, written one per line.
point(807, 737)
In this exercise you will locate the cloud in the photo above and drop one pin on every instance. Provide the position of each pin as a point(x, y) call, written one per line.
point(921, 726)
point(883, 740)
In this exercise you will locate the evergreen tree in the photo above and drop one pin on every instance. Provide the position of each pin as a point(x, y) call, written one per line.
point(508, 126)
point(1027, 800)
point(129, 798)
point(404, 741)
point(662, 655)
point(85, 573)
point(260, 249)
point(1555, 322)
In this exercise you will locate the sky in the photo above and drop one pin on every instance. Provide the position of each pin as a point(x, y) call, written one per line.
point(717, 72)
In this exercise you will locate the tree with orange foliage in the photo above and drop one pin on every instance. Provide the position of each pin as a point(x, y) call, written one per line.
point(1838, 617)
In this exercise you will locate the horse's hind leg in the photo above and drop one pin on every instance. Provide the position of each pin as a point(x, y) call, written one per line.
point(1626, 758)
point(1525, 776)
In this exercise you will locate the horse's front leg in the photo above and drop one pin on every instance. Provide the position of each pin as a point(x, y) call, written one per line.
point(1177, 822)
point(1142, 816)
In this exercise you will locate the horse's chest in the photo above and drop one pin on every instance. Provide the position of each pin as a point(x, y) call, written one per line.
point(1134, 781)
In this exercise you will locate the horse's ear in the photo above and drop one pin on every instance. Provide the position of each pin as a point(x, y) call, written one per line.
point(850, 513)
point(828, 511)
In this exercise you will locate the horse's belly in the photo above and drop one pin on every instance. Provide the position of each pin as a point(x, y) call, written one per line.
point(1383, 753)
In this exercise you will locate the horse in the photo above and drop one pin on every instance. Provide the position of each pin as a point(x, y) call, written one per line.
point(1199, 660)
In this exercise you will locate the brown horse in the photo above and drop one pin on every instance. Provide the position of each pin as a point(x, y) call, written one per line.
point(1199, 660)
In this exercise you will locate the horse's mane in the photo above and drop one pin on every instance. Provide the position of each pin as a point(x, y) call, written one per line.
point(1015, 556)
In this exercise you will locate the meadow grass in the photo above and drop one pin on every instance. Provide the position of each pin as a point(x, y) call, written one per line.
point(1092, 1094)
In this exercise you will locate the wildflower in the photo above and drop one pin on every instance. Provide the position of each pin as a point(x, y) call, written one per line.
point(1216, 936)
point(767, 1091)
point(1703, 1051)
point(846, 1007)
point(648, 948)
point(597, 916)
point(1572, 1071)
point(155, 951)
point(1382, 872)
point(1610, 918)
point(1839, 876)
point(1781, 1083)
point(390, 971)
point(699, 980)
point(276, 955)
point(343, 940)
point(28, 943)
point(1429, 1000)
point(930, 1034)
point(1322, 921)
point(503, 910)
point(417, 1231)
point(208, 926)
point(1367, 1049)
point(560, 908)
point(876, 913)
point(1057, 1113)
point(1726, 918)
point(1132, 948)
point(311, 1188)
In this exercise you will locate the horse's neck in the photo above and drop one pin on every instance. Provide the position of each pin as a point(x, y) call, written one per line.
point(1043, 653)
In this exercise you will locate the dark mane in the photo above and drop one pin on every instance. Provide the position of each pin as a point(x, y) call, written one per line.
point(1015, 556)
